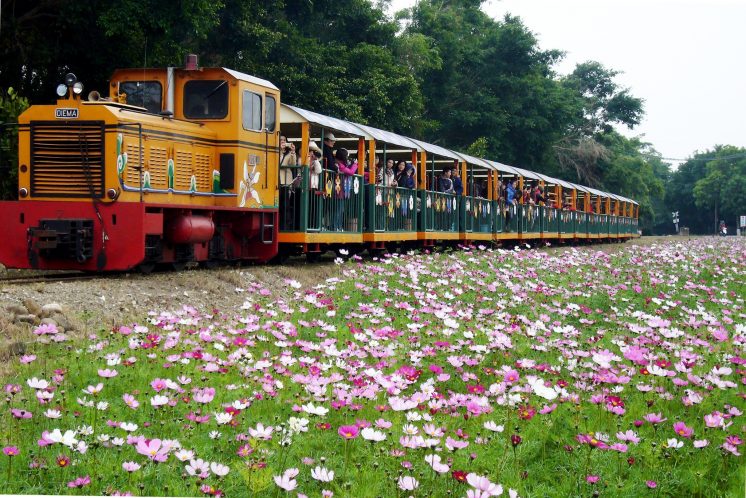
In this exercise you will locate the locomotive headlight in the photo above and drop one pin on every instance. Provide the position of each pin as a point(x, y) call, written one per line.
point(112, 193)
point(70, 79)
point(78, 88)
point(23, 192)
point(61, 90)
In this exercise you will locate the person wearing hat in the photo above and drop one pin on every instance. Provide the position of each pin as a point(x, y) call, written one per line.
point(314, 165)
point(329, 163)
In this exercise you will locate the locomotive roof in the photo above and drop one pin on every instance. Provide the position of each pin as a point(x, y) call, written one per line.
point(250, 79)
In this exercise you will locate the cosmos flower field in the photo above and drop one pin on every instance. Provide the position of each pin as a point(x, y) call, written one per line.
point(475, 373)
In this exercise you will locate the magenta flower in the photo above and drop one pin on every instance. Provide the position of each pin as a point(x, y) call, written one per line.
point(651, 484)
point(11, 451)
point(592, 479)
point(348, 431)
point(682, 430)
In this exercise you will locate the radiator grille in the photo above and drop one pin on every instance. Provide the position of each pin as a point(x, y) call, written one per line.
point(67, 159)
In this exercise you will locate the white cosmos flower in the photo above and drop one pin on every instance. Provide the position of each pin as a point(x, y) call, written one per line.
point(492, 426)
point(315, 410)
point(674, 443)
point(51, 413)
point(66, 439)
point(298, 424)
point(158, 400)
point(223, 418)
point(370, 434)
point(128, 426)
point(35, 383)
point(184, 455)
point(219, 469)
point(322, 474)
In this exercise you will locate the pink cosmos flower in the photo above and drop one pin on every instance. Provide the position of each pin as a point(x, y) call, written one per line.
point(79, 482)
point(713, 420)
point(484, 485)
point(655, 418)
point(682, 430)
point(348, 431)
point(130, 401)
point(651, 484)
point(11, 451)
point(198, 467)
point(108, 373)
point(592, 479)
point(629, 435)
point(454, 445)
point(153, 449)
point(131, 466)
point(701, 443)
point(204, 395)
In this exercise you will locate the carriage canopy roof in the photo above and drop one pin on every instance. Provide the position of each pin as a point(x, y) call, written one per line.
point(292, 114)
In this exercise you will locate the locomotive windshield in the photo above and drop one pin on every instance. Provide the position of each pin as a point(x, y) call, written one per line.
point(147, 94)
point(206, 99)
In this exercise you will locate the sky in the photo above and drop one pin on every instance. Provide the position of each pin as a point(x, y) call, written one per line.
point(685, 58)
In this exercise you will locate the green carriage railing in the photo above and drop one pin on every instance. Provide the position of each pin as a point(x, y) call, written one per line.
point(476, 214)
point(498, 217)
point(549, 221)
point(566, 221)
point(439, 212)
point(531, 218)
point(332, 202)
point(390, 209)
point(580, 219)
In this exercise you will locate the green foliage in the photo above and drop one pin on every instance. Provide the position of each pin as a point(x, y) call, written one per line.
point(721, 193)
point(11, 106)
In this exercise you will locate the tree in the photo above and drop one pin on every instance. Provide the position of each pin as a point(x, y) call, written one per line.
point(722, 191)
point(11, 106)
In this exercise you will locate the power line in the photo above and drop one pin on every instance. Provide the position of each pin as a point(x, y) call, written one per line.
point(732, 156)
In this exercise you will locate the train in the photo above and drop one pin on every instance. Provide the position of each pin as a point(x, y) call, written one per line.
point(179, 166)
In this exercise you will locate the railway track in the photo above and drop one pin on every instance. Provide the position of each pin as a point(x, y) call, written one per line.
point(14, 279)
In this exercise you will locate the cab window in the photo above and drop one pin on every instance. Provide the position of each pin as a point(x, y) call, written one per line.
point(270, 114)
point(252, 111)
point(206, 99)
point(147, 94)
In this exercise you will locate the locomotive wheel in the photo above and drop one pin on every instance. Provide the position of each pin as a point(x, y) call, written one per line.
point(146, 268)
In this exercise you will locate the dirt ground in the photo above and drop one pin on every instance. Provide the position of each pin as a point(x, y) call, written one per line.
point(123, 298)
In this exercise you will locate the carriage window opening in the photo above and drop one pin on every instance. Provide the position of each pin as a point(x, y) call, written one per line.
point(147, 94)
point(252, 111)
point(206, 99)
point(269, 118)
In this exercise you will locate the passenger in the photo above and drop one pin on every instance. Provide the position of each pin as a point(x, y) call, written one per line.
point(389, 179)
point(409, 181)
point(445, 184)
point(510, 202)
point(458, 187)
point(343, 185)
point(526, 195)
point(379, 170)
point(314, 165)
point(400, 173)
point(329, 162)
point(288, 160)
